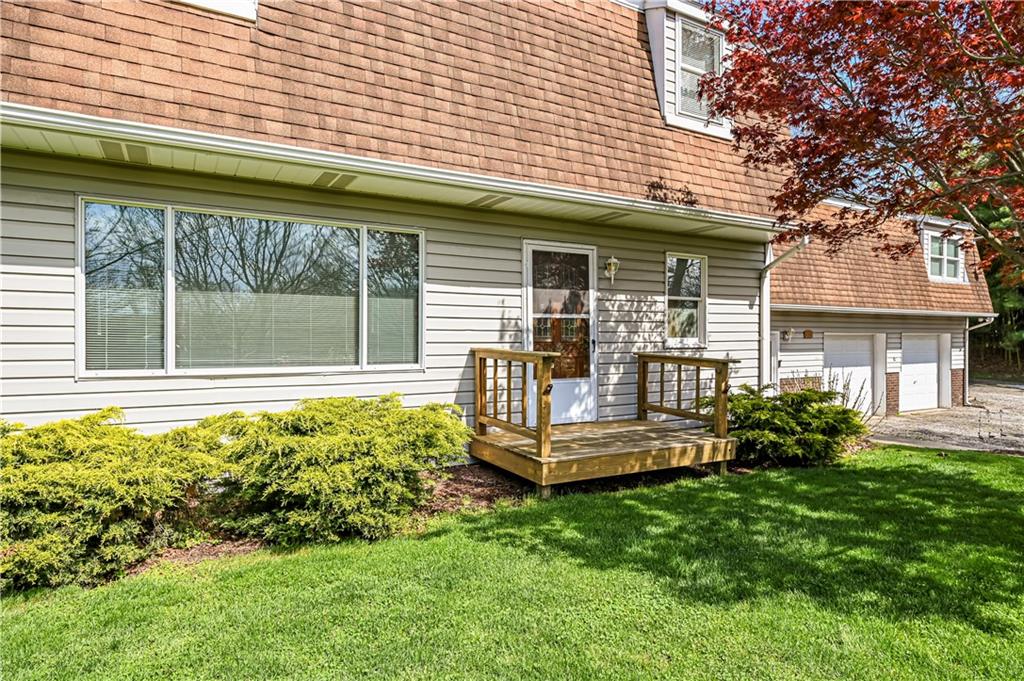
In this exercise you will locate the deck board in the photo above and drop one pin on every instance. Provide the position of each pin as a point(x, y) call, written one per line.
point(582, 451)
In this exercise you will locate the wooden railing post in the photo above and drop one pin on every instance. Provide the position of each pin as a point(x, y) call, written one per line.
point(722, 400)
point(544, 367)
point(641, 388)
point(480, 384)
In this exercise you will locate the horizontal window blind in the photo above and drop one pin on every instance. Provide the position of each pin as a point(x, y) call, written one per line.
point(248, 292)
point(393, 290)
point(253, 292)
point(124, 287)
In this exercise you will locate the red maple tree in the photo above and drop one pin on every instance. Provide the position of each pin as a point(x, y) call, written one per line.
point(898, 108)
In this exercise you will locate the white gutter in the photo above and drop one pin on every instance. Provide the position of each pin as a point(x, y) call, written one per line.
point(145, 133)
point(967, 353)
point(764, 313)
point(783, 307)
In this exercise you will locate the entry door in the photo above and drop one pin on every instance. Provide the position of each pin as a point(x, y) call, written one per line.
point(561, 309)
point(849, 369)
point(919, 374)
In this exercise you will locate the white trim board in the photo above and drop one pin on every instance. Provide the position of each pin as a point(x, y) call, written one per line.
point(877, 310)
point(20, 115)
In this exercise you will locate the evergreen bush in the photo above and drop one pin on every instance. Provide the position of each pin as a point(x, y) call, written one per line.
point(81, 499)
point(801, 428)
point(333, 467)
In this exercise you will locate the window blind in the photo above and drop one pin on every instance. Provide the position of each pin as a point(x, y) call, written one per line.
point(393, 290)
point(124, 287)
point(252, 292)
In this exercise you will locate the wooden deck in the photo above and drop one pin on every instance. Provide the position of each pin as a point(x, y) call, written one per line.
point(582, 451)
point(549, 454)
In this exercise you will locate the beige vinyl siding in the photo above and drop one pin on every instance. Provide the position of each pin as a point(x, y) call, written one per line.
point(473, 296)
point(806, 356)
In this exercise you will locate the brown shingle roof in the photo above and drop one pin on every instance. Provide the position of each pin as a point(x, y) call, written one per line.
point(859, 277)
point(557, 93)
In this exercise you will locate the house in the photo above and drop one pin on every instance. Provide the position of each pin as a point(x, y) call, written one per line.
point(212, 205)
point(892, 334)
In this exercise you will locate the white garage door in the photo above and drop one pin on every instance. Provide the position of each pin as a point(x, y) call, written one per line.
point(919, 375)
point(848, 369)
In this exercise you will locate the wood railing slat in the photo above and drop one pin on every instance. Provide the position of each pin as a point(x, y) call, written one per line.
point(508, 390)
point(696, 392)
point(543, 366)
point(523, 388)
point(719, 415)
point(679, 386)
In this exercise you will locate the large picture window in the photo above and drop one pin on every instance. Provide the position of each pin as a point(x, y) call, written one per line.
point(685, 300)
point(181, 290)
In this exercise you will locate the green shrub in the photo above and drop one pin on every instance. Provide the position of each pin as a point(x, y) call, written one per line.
point(802, 428)
point(82, 499)
point(333, 467)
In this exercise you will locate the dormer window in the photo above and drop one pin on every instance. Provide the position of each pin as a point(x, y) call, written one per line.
point(699, 51)
point(945, 258)
point(683, 49)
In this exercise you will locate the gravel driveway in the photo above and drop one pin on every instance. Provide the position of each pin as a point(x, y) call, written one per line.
point(994, 421)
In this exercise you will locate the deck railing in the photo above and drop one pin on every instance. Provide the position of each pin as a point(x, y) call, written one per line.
point(719, 413)
point(487, 364)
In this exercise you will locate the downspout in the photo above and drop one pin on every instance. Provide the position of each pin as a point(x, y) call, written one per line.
point(967, 355)
point(764, 321)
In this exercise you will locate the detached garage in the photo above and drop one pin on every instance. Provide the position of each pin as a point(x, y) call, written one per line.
point(894, 332)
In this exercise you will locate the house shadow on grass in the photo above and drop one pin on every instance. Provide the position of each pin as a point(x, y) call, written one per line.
point(902, 542)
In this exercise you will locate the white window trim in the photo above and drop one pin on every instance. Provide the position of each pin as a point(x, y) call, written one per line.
point(243, 9)
point(721, 128)
point(961, 277)
point(170, 370)
point(700, 341)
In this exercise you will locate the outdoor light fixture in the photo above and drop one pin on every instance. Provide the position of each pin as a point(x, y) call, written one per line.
point(611, 266)
point(786, 334)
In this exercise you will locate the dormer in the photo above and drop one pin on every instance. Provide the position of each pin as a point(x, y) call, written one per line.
point(942, 243)
point(684, 48)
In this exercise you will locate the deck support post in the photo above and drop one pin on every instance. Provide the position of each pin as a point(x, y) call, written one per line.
point(722, 400)
point(544, 370)
point(544, 491)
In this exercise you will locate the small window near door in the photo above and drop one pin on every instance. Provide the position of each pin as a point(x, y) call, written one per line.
point(685, 300)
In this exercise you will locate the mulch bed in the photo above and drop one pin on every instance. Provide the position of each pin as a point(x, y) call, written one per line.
point(198, 553)
point(475, 486)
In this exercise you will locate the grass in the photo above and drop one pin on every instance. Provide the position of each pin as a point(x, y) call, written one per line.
point(897, 564)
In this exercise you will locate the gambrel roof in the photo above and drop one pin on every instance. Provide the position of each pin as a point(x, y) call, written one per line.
point(557, 93)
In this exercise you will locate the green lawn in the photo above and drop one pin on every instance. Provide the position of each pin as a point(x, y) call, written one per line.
point(897, 564)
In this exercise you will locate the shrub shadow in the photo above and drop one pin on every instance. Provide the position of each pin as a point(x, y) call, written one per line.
point(904, 542)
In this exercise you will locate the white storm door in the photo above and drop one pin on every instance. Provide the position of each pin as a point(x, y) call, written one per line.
point(849, 362)
point(919, 374)
point(560, 292)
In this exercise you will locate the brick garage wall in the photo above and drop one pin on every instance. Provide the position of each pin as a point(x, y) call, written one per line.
point(956, 384)
point(892, 394)
point(789, 385)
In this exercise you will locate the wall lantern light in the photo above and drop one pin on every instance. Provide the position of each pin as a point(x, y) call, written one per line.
point(787, 335)
point(611, 266)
